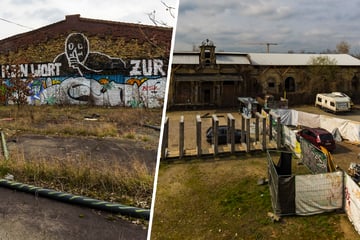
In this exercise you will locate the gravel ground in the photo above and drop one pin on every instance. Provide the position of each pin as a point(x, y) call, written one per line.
point(345, 153)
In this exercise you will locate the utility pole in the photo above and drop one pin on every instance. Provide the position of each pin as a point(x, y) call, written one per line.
point(268, 46)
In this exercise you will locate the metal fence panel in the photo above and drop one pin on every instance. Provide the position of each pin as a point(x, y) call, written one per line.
point(282, 188)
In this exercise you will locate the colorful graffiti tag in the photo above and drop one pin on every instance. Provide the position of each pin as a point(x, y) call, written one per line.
point(78, 76)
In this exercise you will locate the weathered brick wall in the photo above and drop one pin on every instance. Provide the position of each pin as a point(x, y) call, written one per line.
point(103, 63)
point(124, 40)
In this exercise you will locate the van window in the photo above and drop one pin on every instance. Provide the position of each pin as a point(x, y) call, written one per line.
point(319, 99)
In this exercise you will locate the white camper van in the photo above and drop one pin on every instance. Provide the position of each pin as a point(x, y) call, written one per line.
point(334, 102)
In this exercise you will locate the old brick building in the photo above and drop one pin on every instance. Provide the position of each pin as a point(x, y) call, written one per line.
point(81, 60)
point(216, 79)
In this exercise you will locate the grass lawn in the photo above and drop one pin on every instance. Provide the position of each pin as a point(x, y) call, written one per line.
point(220, 199)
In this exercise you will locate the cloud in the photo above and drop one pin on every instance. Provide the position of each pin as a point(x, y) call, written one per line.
point(314, 25)
point(39, 13)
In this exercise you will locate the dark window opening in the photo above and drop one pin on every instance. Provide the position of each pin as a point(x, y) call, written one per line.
point(207, 54)
point(290, 84)
point(271, 84)
point(355, 83)
point(207, 95)
point(229, 83)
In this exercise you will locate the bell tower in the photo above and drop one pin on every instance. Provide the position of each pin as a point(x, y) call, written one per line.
point(207, 53)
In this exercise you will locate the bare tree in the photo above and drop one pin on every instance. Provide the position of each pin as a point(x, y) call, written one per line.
point(343, 47)
point(169, 9)
point(157, 22)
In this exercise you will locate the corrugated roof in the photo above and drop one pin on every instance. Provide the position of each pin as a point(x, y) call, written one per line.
point(265, 59)
point(186, 58)
point(225, 58)
point(221, 58)
point(284, 59)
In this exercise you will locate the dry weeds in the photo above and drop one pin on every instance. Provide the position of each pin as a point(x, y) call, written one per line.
point(78, 175)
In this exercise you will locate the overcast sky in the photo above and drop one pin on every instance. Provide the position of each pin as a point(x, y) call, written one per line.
point(242, 25)
point(32, 14)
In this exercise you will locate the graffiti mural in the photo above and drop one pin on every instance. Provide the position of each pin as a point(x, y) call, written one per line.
point(80, 76)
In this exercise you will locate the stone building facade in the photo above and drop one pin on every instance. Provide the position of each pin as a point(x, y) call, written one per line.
point(216, 79)
point(80, 60)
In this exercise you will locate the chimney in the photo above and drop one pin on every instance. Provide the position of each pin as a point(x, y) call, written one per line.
point(72, 18)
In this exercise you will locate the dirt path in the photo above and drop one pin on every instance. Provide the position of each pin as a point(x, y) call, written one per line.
point(93, 149)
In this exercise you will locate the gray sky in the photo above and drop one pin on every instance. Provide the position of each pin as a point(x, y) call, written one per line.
point(32, 14)
point(239, 25)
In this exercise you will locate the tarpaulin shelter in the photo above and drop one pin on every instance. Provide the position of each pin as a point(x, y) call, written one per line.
point(302, 194)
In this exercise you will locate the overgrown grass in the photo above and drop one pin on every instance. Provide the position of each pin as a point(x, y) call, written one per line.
point(79, 176)
point(221, 200)
point(70, 120)
point(101, 180)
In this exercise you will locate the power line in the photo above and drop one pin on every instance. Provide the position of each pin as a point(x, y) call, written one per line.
point(20, 25)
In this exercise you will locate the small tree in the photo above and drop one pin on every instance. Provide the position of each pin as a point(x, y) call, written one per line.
point(343, 47)
point(323, 71)
point(17, 88)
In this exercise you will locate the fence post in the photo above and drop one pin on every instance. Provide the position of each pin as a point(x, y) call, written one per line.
point(246, 121)
point(242, 127)
point(198, 135)
point(165, 138)
point(248, 139)
point(215, 125)
point(181, 137)
point(270, 127)
point(263, 120)
point(278, 128)
point(4, 146)
point(279, 132)
point(257, 126)
point(264, 133)
point(231, 132)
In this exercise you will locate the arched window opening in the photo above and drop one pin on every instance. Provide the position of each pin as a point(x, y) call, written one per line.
point(355, 83)
point(271, 85)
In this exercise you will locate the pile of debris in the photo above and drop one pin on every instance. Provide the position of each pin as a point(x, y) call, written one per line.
point(354, 172)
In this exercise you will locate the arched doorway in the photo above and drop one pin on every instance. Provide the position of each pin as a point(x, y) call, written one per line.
point(290, 84)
